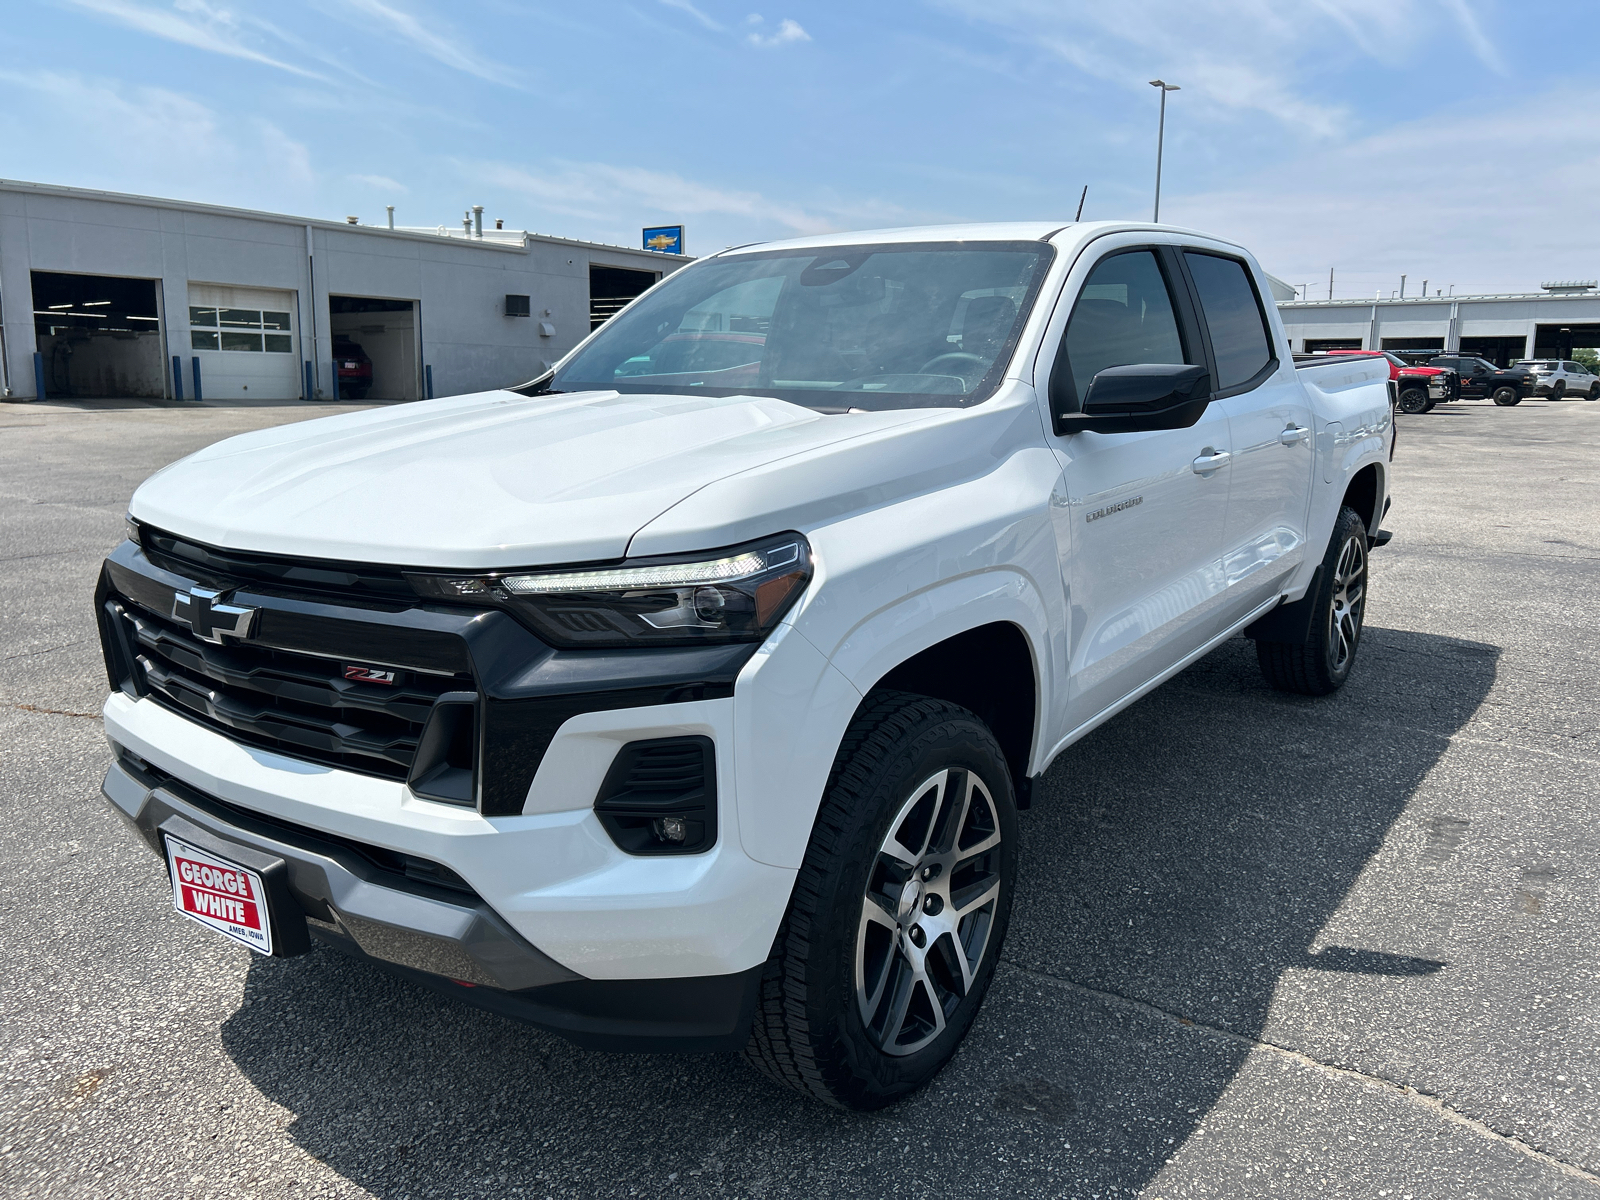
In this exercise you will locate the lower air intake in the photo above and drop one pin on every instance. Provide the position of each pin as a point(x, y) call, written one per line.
point(660, 796)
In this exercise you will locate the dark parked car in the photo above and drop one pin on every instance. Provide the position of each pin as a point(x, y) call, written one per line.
point(1480, 377)
point(353, 367)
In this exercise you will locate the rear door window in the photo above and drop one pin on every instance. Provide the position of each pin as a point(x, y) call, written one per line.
point(1239, 339)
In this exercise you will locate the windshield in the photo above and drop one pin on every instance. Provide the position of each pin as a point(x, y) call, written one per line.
point(888, 326)
point(1399, 362)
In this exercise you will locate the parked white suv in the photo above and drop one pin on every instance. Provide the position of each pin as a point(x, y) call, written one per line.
point(687, 697)
point(1558, 377)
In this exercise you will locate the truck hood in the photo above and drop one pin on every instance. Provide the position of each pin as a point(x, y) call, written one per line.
point(482, 481)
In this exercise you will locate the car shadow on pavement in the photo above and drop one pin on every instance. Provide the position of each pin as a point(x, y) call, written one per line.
point(1176, 863)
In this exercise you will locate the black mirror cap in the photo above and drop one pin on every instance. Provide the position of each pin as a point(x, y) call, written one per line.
point(1141, 397)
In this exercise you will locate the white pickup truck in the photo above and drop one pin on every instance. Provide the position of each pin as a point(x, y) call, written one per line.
point(687, 696)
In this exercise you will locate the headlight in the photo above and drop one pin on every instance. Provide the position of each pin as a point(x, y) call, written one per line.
point(733, 595)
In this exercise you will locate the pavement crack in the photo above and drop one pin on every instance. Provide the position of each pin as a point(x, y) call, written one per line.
point(46, 650)
point(53, 712)
point(1436, 1104)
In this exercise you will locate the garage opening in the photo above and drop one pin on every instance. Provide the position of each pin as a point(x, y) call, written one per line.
point(1501, 351)
point(376, 351)
point(99, 336)
point(1416, 345)
point(1559, 341)
point(243, 340)
point(610, 289)
point(1322, 345)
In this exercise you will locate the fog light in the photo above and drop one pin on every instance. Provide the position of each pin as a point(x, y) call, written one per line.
point(669, 829)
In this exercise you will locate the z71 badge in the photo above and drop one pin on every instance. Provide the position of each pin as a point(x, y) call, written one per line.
point(368, 675)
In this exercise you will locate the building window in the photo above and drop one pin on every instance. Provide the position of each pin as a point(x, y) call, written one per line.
point(246, 329)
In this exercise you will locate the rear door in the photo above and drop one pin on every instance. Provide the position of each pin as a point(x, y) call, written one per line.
point(1146, 510)
point(1270, 421)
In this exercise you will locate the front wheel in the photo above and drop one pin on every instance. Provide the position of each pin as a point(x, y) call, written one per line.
point(899, 909)
point(1506, 397)
point(1414, 400)
point(1320, 664)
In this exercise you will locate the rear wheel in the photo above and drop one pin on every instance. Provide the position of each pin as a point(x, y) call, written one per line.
point(1594, 392)
point(1505, 397)
point(1414, 400)
point(899, 909)
point(1322, 662)
point(1559, 392)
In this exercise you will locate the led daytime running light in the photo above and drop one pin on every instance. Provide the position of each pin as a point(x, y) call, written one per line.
point(720, 570)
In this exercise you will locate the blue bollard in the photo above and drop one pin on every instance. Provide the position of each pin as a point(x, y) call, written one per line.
point(310, 394)
point(197, 396)
point(38, 375)
point(427, 372)
point(177, 378)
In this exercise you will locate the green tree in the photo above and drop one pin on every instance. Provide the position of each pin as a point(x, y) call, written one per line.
point(1588, 358)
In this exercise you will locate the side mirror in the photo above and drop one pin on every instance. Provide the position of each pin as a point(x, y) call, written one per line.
point(1141, 397)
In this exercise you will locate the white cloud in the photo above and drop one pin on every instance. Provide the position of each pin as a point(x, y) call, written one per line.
point(614, 197)
point(215, 31)
point(787, 31)
point(1348, 208)
point(382, 182)
point(685, 6)
point(434, 40)
point(1232, 55)
point(601, 190)
point(126, 138)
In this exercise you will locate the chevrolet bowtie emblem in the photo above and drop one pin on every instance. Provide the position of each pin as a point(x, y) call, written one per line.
point(202, 610)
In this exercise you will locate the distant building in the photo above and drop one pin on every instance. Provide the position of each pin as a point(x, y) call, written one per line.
point(132, 296)
point(1550, 323)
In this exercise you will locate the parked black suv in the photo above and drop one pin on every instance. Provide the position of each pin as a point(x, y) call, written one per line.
point(1480, 377)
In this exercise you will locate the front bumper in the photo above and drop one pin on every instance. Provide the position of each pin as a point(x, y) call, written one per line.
point(407, 916)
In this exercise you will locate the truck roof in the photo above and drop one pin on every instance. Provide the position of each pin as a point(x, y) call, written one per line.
point(1059, 232)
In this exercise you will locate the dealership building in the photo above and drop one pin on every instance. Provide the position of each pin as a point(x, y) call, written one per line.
point(105, 295)
point(1549, 323)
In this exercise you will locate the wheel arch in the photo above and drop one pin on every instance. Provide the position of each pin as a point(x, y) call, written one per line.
point(1364, 494)
point(989, 669)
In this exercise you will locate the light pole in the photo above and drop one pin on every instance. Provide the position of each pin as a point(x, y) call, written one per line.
point(1161, 133)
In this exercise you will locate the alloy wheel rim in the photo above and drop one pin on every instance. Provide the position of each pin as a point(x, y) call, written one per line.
point(1349, 599)
point(928, 912)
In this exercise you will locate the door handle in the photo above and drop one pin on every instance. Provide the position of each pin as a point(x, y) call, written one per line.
point(1294, 435)
point(1211, 460)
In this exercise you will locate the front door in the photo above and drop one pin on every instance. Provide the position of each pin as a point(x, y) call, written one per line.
point(1270, 419)
point(1147, 509)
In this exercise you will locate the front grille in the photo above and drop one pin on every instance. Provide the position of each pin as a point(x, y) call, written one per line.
point(297, 704)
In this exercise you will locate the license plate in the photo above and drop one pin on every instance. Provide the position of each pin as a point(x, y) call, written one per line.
point(221, 895)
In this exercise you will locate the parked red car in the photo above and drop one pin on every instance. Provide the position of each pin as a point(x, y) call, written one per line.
point(1420, 388)
point(353, 368)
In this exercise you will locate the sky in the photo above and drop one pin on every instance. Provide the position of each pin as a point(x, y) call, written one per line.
point(1454, 141)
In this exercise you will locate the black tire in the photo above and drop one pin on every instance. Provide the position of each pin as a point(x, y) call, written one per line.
point(1414, 400)
point(354, 393)
point(1507, 397)
point(1321, 664)
point(1594, 392)
point(1559, 392)
point(810, 1031)
point(1430, 405)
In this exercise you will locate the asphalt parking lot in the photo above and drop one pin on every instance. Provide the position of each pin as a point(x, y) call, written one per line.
point(1264, 946)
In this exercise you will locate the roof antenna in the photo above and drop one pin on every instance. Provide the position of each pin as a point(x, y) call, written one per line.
point(1081, 199)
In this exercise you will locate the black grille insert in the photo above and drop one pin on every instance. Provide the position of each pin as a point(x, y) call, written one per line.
point(298, 704)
